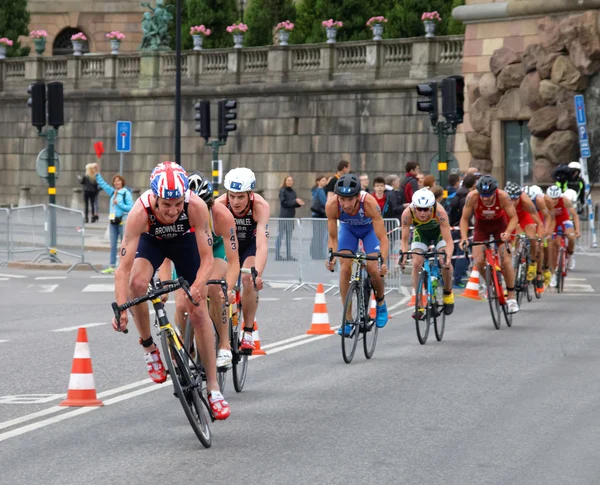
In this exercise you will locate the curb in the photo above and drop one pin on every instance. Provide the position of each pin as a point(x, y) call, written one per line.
point(52, 266)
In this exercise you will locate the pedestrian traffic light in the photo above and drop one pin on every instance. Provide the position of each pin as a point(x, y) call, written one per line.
point(55, 105)
point(226, 115)
point(430, 105)
point(453, 99)
point(202, 118)
point(37, 102)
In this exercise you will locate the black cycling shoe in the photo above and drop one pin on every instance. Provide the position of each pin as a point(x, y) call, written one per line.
point(448, 309)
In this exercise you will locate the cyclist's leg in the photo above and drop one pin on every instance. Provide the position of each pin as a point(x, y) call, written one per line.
point(570, 232)
point(417, 261)
point(220, 321)
point(372, 246)
point(347, 243)
point(249, 295)
point(506, 262)
point(481, 233)
point(530, 231)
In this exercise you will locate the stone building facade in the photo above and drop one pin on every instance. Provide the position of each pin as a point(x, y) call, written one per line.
point(524, 60)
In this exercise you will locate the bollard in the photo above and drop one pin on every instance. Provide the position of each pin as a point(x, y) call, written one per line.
point(76, 199)
point(24, 196)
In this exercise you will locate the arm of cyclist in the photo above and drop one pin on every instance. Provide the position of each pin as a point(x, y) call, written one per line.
point(529, 207)
point(372, 210)
point(548, 216)
point(405, 233)
point(443, 220)
point(466, 217)
point(261, 216)
point(511, 213)
point(225, 227)
point(198, 215)
point(332, 212)
point(135, 226)
point(573, 212)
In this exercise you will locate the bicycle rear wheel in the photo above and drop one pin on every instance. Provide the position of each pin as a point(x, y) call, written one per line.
point(352, 304)
point(422, 310)
point(492, 296)
point(559, 271)
point(439, 321)
point(368, 329)
point(188, 388)
point(239, 365)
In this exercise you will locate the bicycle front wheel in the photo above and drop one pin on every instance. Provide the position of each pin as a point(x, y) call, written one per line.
point(560, 267)
point(188, 388)
point(368, 329)
point(239, 364)
point(422, 309)
point(439, 320)
point(351, 307)
point(492, 296)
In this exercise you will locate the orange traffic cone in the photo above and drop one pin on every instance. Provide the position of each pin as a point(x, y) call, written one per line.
point(257, 350)
point(82, 390)
point(320, 318)
point(373, 309)
point(413, 299)
point(472, 288)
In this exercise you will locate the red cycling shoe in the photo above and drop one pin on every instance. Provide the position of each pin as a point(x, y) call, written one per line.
point(218, 405)
point(155, 367)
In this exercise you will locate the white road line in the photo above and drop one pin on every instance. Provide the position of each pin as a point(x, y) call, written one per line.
point(50, 278)
point(296, 344)
point(577, 287)
point(270, 299)
point(44, 288)
point(298, 298)
point(282, 342)
point(4, 279)
point(4, 341)
point(401, 311)
point(103, 276)
point(87, 325)
point(580, 294)
point(12, 275)
point(99, 287)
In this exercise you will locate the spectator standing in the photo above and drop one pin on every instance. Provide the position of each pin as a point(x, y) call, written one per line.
point(317, 208)
point(420, 181)
point(395, 198)
point(429, 182)
point(410, 184)
point(288, 203)
point(90, 192)
point(364, 183)
point(121, 202)
point(457, 204)
point(379, 193)
point(343, 167)
point(453, 185)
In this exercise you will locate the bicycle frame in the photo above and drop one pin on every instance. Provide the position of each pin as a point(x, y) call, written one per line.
point(431, 265)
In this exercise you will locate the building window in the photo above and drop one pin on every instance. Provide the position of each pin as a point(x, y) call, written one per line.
point(62, 43)
point(516, 138)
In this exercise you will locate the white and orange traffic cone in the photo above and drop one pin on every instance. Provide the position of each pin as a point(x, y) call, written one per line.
point(413, 299)
point(82, 390)
point(320, 318)
point(256, 337)
point(373, 308)
point(472, 288)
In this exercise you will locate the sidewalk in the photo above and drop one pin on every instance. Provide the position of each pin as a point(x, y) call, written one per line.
point(95, 235)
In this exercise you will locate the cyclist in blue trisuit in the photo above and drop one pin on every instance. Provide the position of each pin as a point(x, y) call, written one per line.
point(360, 220)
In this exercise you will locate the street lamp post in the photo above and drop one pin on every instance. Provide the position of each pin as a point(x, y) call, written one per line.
point(242, 4)
point(178, 82)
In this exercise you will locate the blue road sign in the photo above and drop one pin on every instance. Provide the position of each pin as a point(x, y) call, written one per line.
point(583, 134)
point(123, 138)
point(584, 147)
point(580, 110)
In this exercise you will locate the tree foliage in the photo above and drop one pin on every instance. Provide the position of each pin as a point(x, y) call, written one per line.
point(262, 16)
point(404, 19)
point(14, 21)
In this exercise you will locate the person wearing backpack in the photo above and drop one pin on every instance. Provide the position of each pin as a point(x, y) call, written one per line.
point(317, 208)
point(457, 203)
point(121, 202)
point(453, 185)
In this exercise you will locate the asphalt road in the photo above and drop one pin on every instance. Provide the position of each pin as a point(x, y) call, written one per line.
point(516, 406)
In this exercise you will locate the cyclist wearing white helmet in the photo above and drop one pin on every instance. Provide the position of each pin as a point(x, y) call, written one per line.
point(565, 217)
point(170, 222)
point(251, 213)
point(360, 220)
point(431, 227)
point(226, 265)
point(536, 194)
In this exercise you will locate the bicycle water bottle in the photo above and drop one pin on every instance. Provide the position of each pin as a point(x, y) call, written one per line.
point(234, 319)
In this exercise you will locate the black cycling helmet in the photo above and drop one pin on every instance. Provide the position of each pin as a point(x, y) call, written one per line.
point(513, 189)
point(347, 185)
point(200, 185)
point(487, 185)
point(562, 173)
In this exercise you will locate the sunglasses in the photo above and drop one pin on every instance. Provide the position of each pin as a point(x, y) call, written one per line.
point(488, 196)
point(421, 209)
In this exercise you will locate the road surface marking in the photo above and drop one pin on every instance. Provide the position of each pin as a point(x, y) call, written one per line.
point(50, 278)
point(44, 288)
point(99, 287)
point(87, 325)
point(12, 275)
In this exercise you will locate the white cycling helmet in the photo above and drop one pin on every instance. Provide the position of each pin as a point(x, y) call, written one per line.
point(554, 192)
point(575, 166)
point(571, 195)
point(533, 191)
point(240, 179)
point(423, 198)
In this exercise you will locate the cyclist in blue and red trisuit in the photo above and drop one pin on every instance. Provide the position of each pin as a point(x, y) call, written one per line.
point(360, 220)
point(169, 221)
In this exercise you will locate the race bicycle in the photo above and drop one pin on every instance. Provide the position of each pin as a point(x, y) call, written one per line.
point(562, 261)
point(185, 374)
point(522, 261)
point(429, 298)
point(357, 303)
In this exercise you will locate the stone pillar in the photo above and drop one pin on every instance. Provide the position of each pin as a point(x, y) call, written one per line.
point(328, 60)
point(194, 66)
point(149, 70)
point(73, 70)
point(278, 64)
point(34, 68)
point(24, 196)
point(374, 58)
point(77, 199)
point(234, 64)
point(423, 59)
point(110, 71)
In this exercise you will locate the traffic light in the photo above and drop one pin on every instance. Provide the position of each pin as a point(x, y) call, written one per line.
point(202, 118)
point(430, 105)
point(37, 101)
point(226, 115)
point(453, 99)
point(55, 105)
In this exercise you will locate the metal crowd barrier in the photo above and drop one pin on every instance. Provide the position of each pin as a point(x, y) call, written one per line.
point(70, 234)
point(28, 233)
point(4, 236)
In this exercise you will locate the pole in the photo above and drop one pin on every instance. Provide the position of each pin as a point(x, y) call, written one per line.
point(442, 155)
point(121, 164)
point(242, 10)
point(586, 179)
point(178, 82)
point(50, 137)
point(522, 163)
point(215, 167)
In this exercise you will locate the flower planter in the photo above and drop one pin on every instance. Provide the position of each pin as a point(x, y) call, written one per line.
point(331, 33)
point(115, 45)
point(39, 45)
point(77, 47)
point(284, 37)
point(2, 52)
point(198, 40)
point(377, 31)
point(237, 40)
point(429, 28)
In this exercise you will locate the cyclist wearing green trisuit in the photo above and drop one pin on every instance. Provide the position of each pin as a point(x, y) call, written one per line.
point(431, 228)
point(226, 265)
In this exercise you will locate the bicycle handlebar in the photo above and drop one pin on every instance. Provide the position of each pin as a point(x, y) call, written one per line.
point(223, 284)
point(428, 254)
point(356, 256)
point(487, 244)
point(160, 289)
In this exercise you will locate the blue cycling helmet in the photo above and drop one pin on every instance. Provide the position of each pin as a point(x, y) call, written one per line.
point(487, 185)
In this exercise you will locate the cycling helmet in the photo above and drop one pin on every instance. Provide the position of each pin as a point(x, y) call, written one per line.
point(168, 180)
point(571, 195)
point(240, 179)
point(554, 192)
point(423, 198)
point(201, 186)
point(575, 166)
point(533, 191)
point(562, 173)
point(487, 185)
point(513, 189)
point(347, 185)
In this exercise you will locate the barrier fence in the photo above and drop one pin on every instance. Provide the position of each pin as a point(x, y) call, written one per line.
point(26, 234)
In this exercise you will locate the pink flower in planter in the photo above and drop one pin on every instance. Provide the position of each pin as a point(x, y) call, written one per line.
point(332, 24)
point(237, 28)
point(6, 42)
point(115, 35)
point(79, 36)
point(200, 30)
point(431, 16)
point(376, 20)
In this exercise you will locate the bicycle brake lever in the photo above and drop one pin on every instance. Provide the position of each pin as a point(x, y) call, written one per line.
point(186, 288)
point(117, 313)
